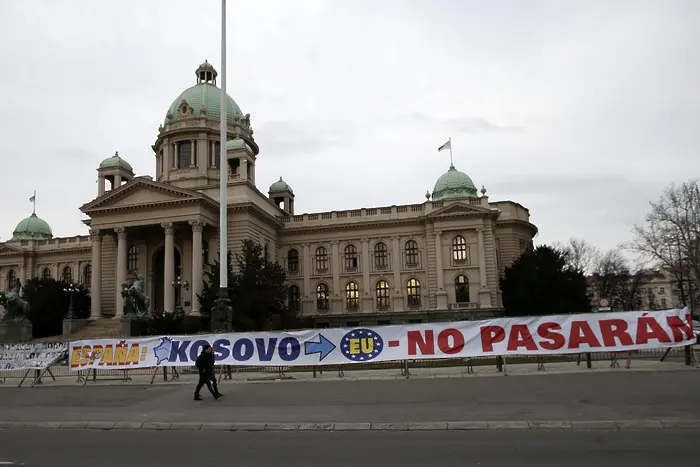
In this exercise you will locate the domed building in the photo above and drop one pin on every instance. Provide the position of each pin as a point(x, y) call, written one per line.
point(439, 259)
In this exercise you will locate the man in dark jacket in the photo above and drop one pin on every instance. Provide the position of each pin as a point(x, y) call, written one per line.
point(205, 365)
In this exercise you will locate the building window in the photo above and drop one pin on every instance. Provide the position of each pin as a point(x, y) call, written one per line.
point(413, 292)
point(381, 255)
point(322, 297)
point(462, 289)
point(46, 273)
point(132, 258)
point(663, 302)
point(350, 258)
point(67, 275)
point(87, 275)
point(293, 261)
point(184, 154)
point(321, 259)
point(662, 290)
point(11, 279)
point(214, 154)
point(459, 249)
point(411, 253)
point(382, 291)
point(294, 299)
point(352, 295)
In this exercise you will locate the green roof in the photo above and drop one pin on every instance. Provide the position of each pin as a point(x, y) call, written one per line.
point(237, 143)
point(453, 184)
point(280, 187)
point(208, 95)
point(115, 161)
point(32, 228)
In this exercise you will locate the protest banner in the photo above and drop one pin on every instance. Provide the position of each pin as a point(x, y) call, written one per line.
point(38, 356)
point(538, 335)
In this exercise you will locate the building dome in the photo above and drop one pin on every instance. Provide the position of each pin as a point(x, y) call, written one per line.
point(32, 228)
point(115, 162)
point(237, 143)
point(453, 184)
point(280, 187)
point(204, 98)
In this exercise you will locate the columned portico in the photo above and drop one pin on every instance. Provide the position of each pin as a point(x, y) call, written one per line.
point(96, 275)
point(121, 270)
point(169, 269)
point(197, 266)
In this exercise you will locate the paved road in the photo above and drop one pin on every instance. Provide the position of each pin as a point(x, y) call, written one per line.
point(420, 449)
point(595, 396)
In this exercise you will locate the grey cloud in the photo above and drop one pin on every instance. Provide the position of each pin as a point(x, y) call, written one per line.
point(470, 125)
point(281, 137)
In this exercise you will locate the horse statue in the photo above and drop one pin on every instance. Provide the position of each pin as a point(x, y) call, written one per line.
point(136, 302)
point(16, 308)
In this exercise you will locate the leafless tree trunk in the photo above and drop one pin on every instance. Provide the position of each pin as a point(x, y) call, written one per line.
point(581, 255)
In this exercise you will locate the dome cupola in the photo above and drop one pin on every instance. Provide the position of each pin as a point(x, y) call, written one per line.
point(454, 184)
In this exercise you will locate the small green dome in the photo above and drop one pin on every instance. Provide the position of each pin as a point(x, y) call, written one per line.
point(115, 162)
point(237, 143)
point(453, 184)
point(280, 187)
point(32, 228)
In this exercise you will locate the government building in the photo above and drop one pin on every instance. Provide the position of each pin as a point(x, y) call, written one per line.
point(438, 259)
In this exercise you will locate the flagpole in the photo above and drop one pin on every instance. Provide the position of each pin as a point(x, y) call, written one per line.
point(451, 162)
point(34, 203)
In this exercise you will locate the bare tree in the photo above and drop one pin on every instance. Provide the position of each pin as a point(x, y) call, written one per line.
point(670, 235)
point(580, 255)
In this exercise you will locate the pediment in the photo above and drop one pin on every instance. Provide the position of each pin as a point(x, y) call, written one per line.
point(460, 208)
point(6, 249)
point(139, 193)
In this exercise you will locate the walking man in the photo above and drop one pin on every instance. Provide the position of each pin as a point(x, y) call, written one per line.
point(205, 365)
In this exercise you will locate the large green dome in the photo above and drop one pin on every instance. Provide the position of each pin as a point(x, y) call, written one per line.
point(205, 93)
point(32, 228)
point(453, 184)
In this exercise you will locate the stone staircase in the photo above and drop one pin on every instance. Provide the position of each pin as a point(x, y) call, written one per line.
point(96, 329)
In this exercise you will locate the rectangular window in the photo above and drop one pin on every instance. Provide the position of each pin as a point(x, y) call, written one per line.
point(184, 154)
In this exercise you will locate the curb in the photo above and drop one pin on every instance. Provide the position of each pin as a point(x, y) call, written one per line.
point(560, 425)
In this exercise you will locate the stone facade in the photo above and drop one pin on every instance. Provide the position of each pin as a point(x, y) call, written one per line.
point(392, 264)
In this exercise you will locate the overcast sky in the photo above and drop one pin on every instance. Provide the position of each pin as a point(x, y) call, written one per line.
point(580, 111)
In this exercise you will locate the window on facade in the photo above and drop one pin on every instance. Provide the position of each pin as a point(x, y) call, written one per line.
point(462, 289)
point(294, 298)
point(663, 302)
point(413, 292)
point(411, 253)
point(382, 291)
point(11, 279)
point(459, 249)
point(321, 259)
point(132, 258)
point(184, 154)
point(381, 255)
point(67, 275)
point(322, 297)
point(662, 290)
point(350, 257)
point(293, 260)
point(352, 295)
point(46, 273)
point(87, 275)
point(214, 154)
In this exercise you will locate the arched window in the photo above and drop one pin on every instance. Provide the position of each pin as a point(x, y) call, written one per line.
point(352, 295)
point(11, 279)
point(381, 256)
point(46, 273)
point(87, 275)
point(67, 275)
point(132, 258)
point(413, 292)
point(294, 299)
point(462, 289)
point(184, 154)
point(411, 253)
point(321, 259)
point(350, 258)
point(459, 249)
point(322, 297)
point(293, 261)
point(382, 291)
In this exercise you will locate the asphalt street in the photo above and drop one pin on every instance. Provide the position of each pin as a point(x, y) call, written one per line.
point(665, 395)
point(72, 448)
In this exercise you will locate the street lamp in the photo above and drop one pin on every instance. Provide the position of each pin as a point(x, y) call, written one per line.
point(179, 284)
point(72, 290)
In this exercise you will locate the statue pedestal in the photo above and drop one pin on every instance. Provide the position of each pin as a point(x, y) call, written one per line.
point(73, 325)
point(15, 332)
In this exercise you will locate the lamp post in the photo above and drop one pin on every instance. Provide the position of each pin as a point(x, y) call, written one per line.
point(178, 285)
point(72, 290)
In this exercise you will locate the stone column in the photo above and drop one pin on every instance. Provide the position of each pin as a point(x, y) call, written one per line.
point(96, 277)
point(121, 271)
point(169, 268)
point(441, 294)
point(193, 153)
point(306, 269)
point(175, 158)
point(197, 267)
point(243, 168)
point(117, 182)
point(335, 267)
point(366, 296)
point(484, 292)
point(396, 266)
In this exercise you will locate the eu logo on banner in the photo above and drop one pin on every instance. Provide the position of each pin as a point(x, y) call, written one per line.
point(361, 345)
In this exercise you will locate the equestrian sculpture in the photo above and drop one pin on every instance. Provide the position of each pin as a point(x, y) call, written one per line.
point(136, 302)
point(16, 308)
